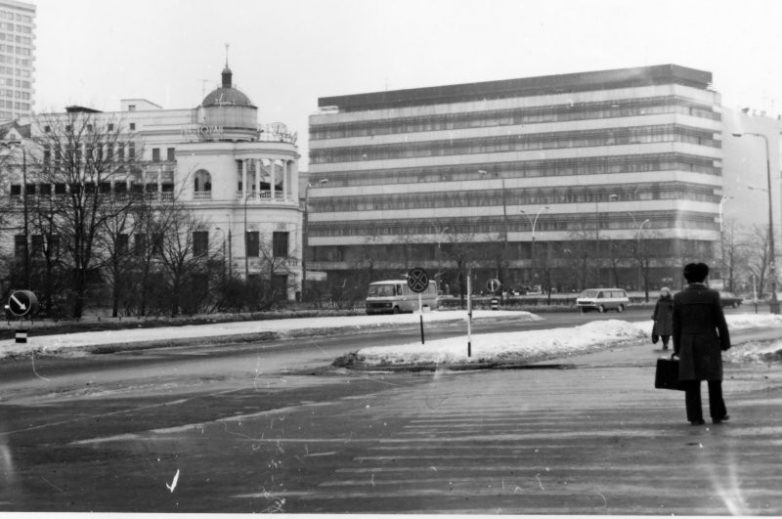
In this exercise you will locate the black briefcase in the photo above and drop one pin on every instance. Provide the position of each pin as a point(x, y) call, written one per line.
point(667, 375)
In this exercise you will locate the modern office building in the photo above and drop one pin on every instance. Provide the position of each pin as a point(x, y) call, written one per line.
point(237, 177)
point(17, 59)
point(586, 179)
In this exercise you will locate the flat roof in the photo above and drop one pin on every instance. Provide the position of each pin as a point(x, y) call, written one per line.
point(560, 83)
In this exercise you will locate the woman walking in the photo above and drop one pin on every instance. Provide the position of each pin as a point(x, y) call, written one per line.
point(663, 317)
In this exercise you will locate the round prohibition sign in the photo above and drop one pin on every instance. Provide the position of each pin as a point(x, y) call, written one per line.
point(417, 280)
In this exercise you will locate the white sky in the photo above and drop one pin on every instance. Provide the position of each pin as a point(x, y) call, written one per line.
point(287, 53)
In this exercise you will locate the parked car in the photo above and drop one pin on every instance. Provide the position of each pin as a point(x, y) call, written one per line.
point(602, 299)
point(730, 299)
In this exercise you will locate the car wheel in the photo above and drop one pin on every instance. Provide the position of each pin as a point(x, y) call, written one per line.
point(601, 309)
point(620, 308)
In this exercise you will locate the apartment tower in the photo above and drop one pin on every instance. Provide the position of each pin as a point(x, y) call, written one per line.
point(17, 59)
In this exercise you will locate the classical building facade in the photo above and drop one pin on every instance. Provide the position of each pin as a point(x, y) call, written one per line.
point(597, 178)
point(238, 178)
point(17, 59)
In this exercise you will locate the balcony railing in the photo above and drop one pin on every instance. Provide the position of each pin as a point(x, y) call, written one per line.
point(263, 196)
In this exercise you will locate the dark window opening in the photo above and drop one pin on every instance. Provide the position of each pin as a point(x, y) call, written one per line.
point(253, 244)
point(280, 244)
point(200, 243)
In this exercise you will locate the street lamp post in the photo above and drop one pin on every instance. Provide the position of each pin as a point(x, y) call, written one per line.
point(597, 234)
point(305, 236)
point(722, 240)
point(774, 304)
point(640, 265)
point(533, 223)
point(223, 248)
point(500, 275)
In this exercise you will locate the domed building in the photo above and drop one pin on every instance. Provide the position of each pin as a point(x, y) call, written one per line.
point(238, 178)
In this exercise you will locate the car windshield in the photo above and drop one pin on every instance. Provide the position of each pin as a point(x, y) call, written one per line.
point(589, 293)
point(384, 290)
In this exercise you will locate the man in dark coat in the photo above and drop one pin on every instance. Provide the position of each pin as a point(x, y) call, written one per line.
point(700, 335)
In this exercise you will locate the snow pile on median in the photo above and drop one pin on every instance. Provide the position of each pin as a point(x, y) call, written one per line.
point(740, 321)
point(533, 345)
point(538, 345)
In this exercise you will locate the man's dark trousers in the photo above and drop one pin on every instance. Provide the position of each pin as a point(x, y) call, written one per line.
point(692, 399)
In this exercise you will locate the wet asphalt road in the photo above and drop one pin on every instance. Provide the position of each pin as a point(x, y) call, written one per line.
point(188, 431)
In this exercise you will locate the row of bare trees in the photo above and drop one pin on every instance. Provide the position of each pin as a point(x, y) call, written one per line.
point(645, 263)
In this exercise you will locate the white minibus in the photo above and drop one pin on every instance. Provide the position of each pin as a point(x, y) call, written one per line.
point(393, 296)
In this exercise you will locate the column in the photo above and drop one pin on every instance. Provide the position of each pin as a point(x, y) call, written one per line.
point(273, 178)
point(294, 180)
point(244, 180)
point(258, 170)
point(285, 185)
point(160, 183)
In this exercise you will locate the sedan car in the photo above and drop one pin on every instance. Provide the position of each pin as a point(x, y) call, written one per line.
point(730, 299)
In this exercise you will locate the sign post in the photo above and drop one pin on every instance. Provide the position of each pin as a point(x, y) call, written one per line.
point(469, 312)
point(418, 282)
point(21, 304)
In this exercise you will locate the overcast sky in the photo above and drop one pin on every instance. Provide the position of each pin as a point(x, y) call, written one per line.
point(286, 53)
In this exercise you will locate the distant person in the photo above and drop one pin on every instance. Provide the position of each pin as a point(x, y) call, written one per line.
point(663, 317)
point(700, 335)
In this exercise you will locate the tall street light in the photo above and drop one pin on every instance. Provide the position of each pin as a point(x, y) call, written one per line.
point(611, 197)
point(638, 251)
point(533, 223)
point(484, 173)
point(223, 249)
point(722, 240)
point(305, 237)
point(774, 304)
point(638, 248)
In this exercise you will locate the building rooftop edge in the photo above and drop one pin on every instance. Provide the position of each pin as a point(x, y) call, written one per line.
point(579, 81)
point(18, 5)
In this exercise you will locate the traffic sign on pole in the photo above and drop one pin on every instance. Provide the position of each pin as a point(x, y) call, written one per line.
point(22, 303)
point(493, 285)
point(417, 280)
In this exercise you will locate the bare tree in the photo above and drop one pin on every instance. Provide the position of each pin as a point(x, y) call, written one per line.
point(463, 253)
point(755, 246)
point(81, 156)
point(184, 260)
point(117, 256)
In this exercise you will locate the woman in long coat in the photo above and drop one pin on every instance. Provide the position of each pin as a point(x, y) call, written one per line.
point(663, 317)
point(700, 335)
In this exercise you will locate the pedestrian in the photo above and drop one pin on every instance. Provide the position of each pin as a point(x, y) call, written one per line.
point(700, 335)
point(663, 317)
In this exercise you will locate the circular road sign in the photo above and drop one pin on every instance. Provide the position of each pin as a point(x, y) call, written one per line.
point(493, 285)
point(417, 280)
point(22, 303)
